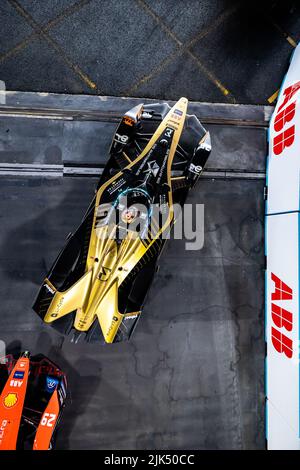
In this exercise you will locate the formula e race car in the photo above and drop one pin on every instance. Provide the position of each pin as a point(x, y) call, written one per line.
point(33, 393)
point(97, 285)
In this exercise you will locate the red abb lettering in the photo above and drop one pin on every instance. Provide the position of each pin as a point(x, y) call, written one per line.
point(284, 115)
point(283, 140)
point(288, 94)
point(282, 290)
point(281, 317)
point(282, 343)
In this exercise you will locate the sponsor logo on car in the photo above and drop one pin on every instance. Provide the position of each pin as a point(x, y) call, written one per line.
point(19, 374)
point(3, 425)
point(131, 317)
point(16, 383)
point(195, 168)
point(51, 384)
point(49, 288)
point(10, 400)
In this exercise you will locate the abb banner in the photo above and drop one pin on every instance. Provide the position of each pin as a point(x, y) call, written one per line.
point(284, 144)
point(282, 331)
point(282, 272)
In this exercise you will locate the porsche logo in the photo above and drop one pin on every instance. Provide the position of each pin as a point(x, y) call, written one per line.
point(10, 400)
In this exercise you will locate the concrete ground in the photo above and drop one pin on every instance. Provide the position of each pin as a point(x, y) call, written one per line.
point(209, 51)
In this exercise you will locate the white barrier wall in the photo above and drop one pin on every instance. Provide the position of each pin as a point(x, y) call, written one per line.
point(282, 270)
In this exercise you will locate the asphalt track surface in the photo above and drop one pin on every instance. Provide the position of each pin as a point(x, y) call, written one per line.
point(192, 377)
point(209, 51)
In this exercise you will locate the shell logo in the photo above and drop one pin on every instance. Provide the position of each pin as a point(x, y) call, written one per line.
point(10, 400)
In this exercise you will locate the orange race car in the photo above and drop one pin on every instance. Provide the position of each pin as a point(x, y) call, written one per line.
point(33, 394)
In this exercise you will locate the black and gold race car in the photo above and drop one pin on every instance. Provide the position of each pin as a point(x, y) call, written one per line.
point(98, 283)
